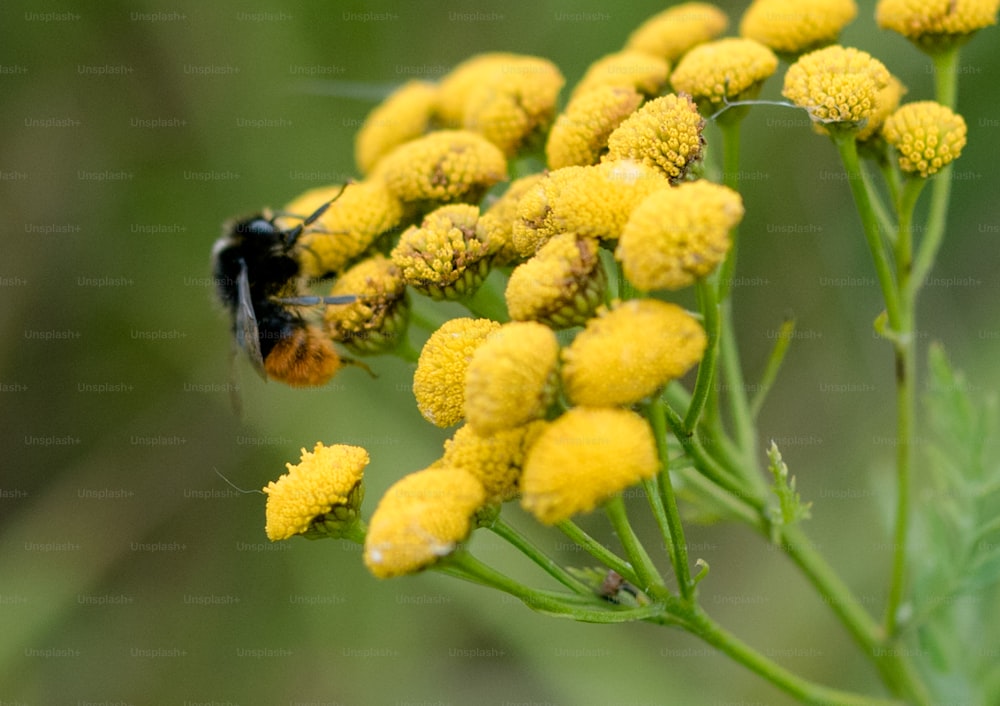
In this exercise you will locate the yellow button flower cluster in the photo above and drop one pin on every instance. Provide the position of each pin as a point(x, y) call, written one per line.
point(496, 459)
point(665, 133)
point(673, 32)
point(936, 23)
point(496, 223)
point(405, 115)
point(927, 136)
point(726, 69)
point(644, 73)
point(580, 134)
point(795, 26)
point(837, 85)
point(376, 320)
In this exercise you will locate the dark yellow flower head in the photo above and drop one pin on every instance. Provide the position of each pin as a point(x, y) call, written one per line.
point(444, 256)
point(837, 85)
point(583, 458)
point(376, 320)
point(630, 352)
point(673, 32)
point(495, 459)
point(936, 24)
point(439, 381)
point(445, 166)
point(580, 134)
point(678, 235)
point(593, 201)
point(724, 70)
point(665, 133)
point(405, 115)
point(926, 135)
point(496, 223)
point(888, 101)
point(791, 27)
point(641, 72)
point(561, 286)
point(422, 518)
point(511, 379)
point(318, 497)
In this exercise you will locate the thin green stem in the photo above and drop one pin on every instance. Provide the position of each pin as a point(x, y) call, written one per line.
point(739, 406)
point(704, 383)
point(510, 533)
point(649, 576)
point(598, 551)
point(773, 366)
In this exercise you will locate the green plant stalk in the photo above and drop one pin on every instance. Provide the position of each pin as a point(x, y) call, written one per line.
point(505, 530)
point(739, 405)
point(649, 576)
point(773, 366)
point(703, 385)
point(598, 551)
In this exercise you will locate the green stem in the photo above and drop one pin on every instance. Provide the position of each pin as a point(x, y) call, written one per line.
point(649, 577)
point(500, 527)
point(739, 405)
point(773, 366)
point(703, 385)
point(598, 551)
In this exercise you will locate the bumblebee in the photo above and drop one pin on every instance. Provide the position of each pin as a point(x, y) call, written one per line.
point(259, 282)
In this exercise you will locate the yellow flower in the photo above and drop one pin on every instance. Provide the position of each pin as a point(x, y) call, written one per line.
point(496, 223)
point(561, 286)
point(376, 320)
point(439, 381)
point(837, 85)
point(795, 26)
point(406, 114)
point(442, 167)
point(626, 69)
point(673, 32)
point(582, 459)
point(726, 69)
point(444, 257)
point(510, 380)
point(495, 459)
point(594, 201)
point(888, 101)
point(420, 519)
point(664, 133)
point(934, 24)
point(319, 496)
point(455, 86)
point(630, 352)
point(580, 134)
point(927, 136)
point(678, 235)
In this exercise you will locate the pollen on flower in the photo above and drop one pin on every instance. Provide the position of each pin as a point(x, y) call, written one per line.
point(726, 69)
point(678, 235)
point(931, 23)
point(641, 72)
point(439, 380)
point(321, 495)
point(836, 85)
point(795, 26)
point(511, 378)
point(495, 459)
point(496, 223)
point(630, 352)
point(406, 114)
point(376, 319)
point(420, 519)
point(673, 32)
point(926, 135)
point(583, 458)
point(580, 134)
point(665, 133)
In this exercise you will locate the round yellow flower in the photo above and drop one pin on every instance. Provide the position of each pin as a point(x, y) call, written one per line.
point(665, 133)
point(673, 32)
point(626, 69)
point(319, 496)
point(495, 459)
point(795, 26)
point(496, 223)
point(420, 519)
point(406, 114)
point(630, 352)
point(927, 136)
point(442, 167)
point(457, 84)
point(561, 286)
point(726, 69)
point(888, 101)
point(936, 23)
point(580, 134)
point(439, 380)
point(836, 85)
point(511, 378)
point(376, 320)
point(677, 235)
point(582, 459)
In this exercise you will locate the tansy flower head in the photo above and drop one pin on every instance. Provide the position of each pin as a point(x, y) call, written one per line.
point(791, 27)
point(455, 86)
point(406, 114)
point(495, 459)
point(444, 257)
point(511, 378)
point(665, 133)
point(376, 320)
point(593, 201)
point(644, 73)
point(320, 496)
point(580, 134)
point(678, 235)
point(726, 69)
point(888, 101)
point(582, 459)
point(630, 352)
point(673, 32)
point(442, 167)
point(936, 24)
point(439, 381)
point(561, 286)
point(836, 85)
point(420, 519)
point(496, 224)
point(927, 136)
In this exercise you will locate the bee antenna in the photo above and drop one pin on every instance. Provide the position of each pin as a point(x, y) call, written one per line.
point(294, 234)
point(234, 486)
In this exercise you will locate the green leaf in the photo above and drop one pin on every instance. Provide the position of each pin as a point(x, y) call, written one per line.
point(790, 508)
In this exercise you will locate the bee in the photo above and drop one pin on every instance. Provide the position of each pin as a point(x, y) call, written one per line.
point(259, 282)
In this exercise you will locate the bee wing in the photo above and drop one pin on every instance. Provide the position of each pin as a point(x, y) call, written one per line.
point(247, 333)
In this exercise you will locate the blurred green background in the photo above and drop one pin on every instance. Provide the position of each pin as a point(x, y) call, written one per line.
point(131, 573)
